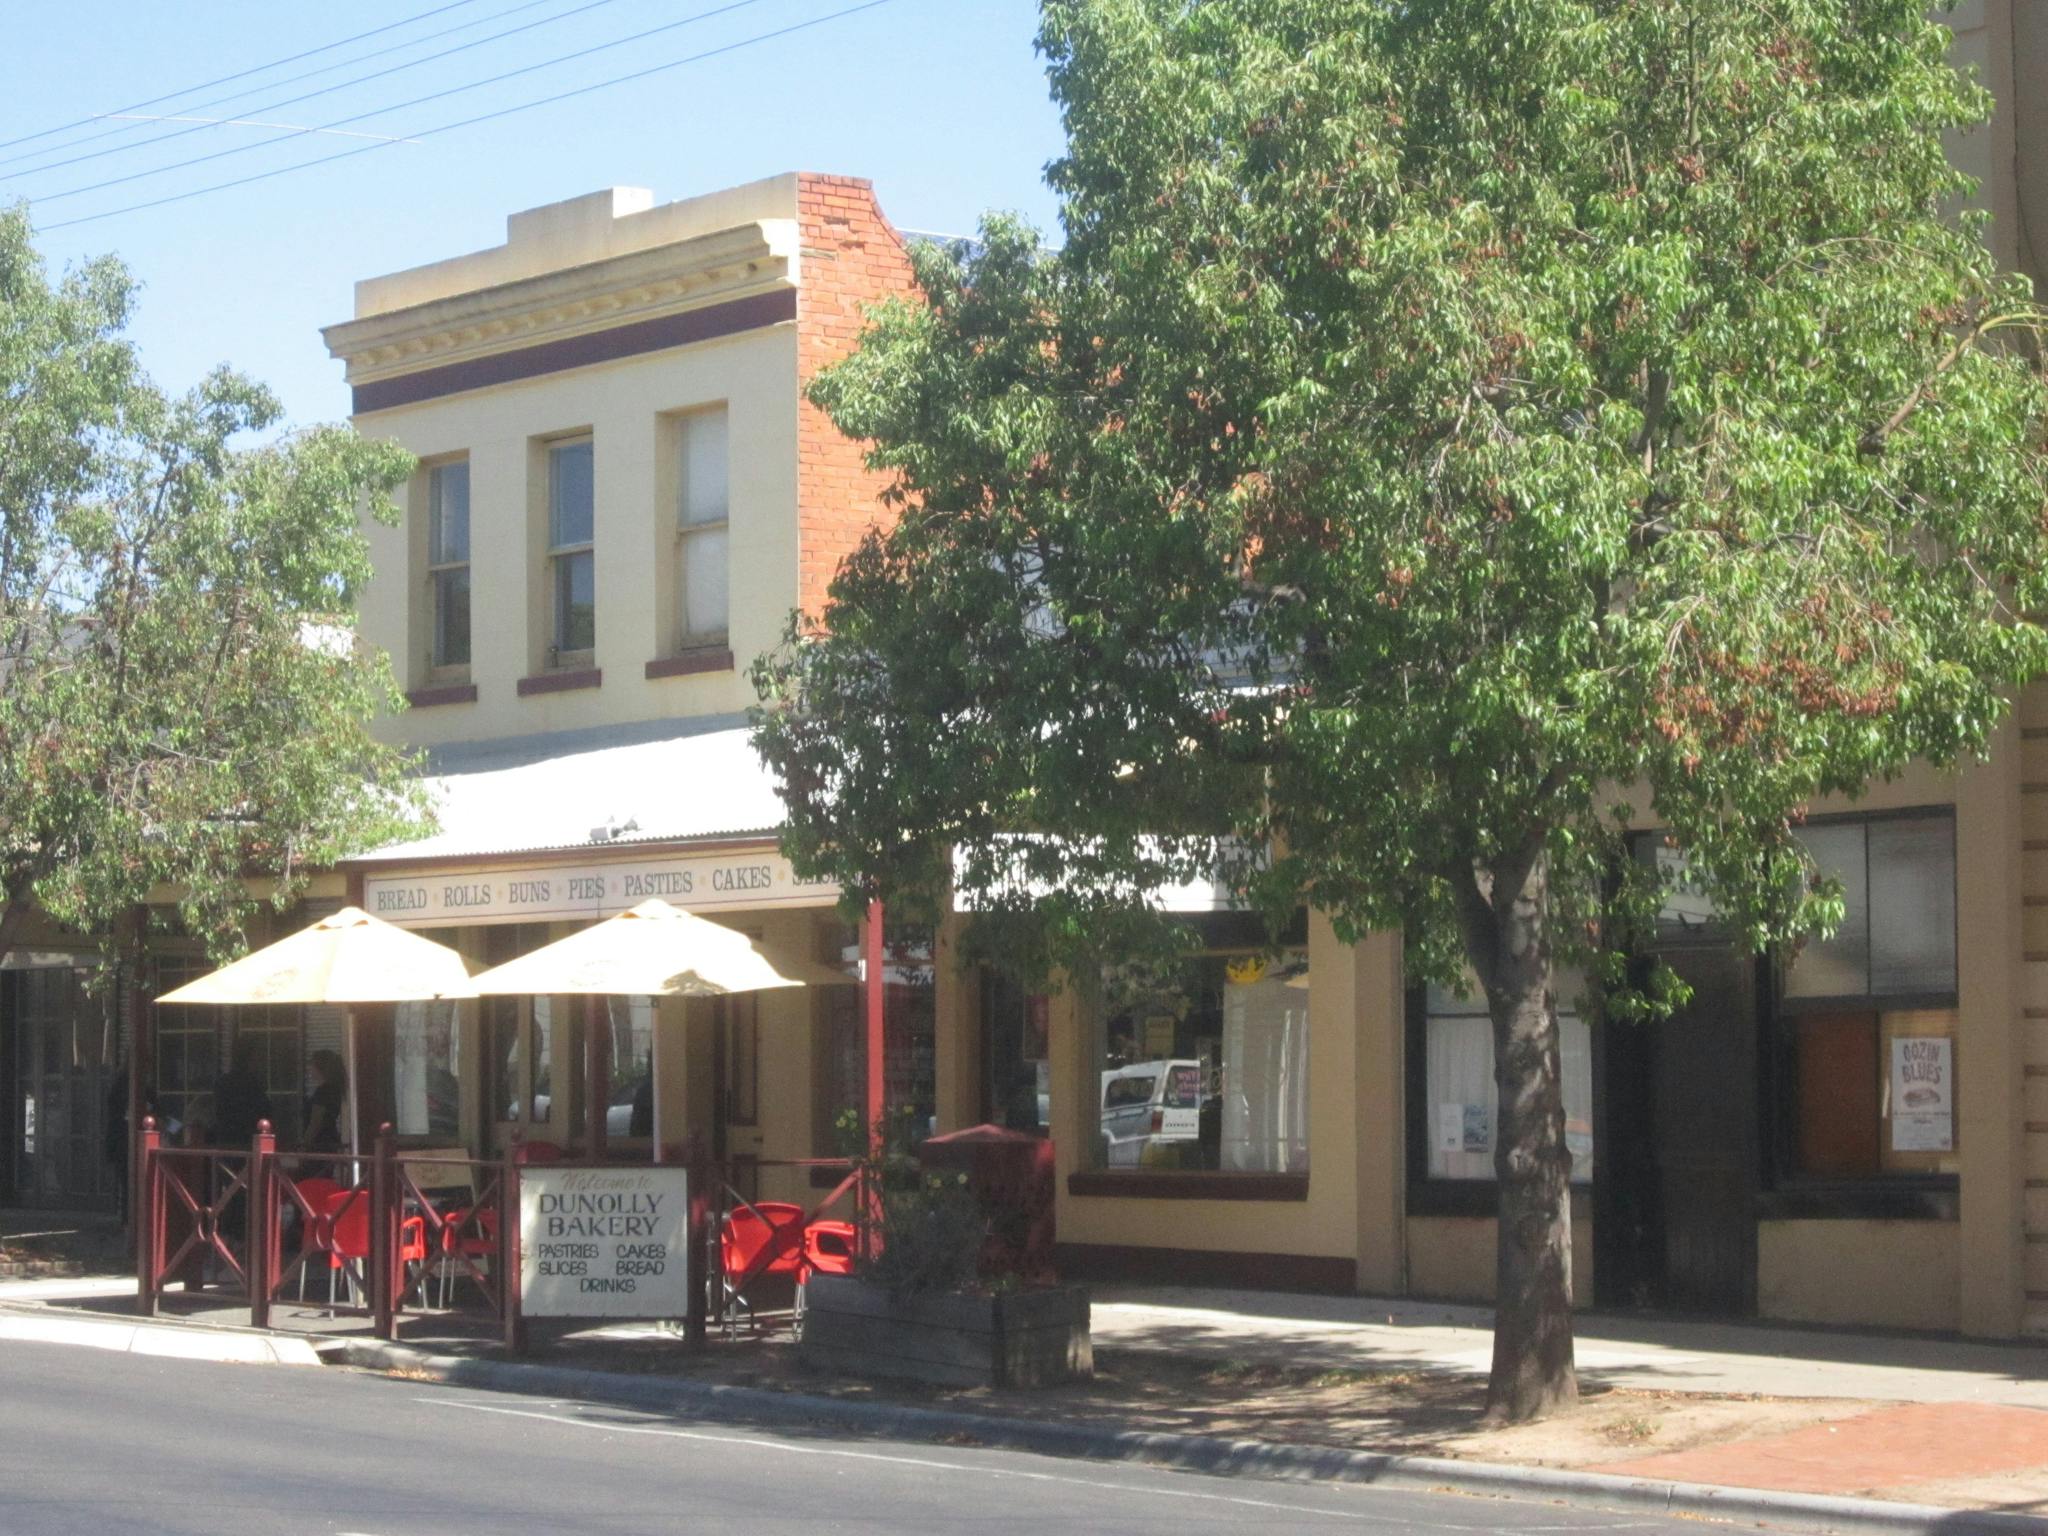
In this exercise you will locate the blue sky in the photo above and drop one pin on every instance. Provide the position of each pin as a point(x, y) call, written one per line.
point(942, 103)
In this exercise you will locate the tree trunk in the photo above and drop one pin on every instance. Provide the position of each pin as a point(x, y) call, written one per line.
point(1533, 1371)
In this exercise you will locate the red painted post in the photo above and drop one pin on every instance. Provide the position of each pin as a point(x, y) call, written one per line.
point(698, 1240)
point(260, 1262)
point(149, 1223)
point(877, 1044)
point(383, 1260)
point(511, 1244)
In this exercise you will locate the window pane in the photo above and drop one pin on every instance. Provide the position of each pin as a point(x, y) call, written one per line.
point(704, 589)
point(1912, 906)
point(1464, 1103)
point(1206, 1066)
point(569, 494)
point(1264, 1079)
point(704, 467)
point(1838, 966)
point(575, 602)
point(543, 1038)
point(1838, 1083)
point(448, 530)
point(451, 617)
point(426, 1090)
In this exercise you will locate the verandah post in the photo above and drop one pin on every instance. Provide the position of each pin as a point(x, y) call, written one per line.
point(260, 1264)
point(511, 1243)
point(383, 1258)
point(877, 1045)
point(697, 1160)
point(149, 1225)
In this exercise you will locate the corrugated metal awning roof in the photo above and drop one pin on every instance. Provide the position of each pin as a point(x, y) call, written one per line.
point(664, 781)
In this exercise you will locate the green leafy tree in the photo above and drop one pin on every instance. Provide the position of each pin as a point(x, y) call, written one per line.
point(1452, 435)
point(183, 703)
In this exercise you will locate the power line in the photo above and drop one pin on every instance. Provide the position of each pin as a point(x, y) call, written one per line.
point(484, 117)
point(269, 85)
point(290, 101)
point(207, 85)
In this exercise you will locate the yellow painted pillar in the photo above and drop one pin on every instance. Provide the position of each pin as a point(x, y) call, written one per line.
point(1990, 1059)
point(1370, 972)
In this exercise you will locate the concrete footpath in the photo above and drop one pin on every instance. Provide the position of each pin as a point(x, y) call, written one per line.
point(1914, 1410)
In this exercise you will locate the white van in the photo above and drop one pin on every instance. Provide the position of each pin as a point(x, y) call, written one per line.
point(1149, 1102)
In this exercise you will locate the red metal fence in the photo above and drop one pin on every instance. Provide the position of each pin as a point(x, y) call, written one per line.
point(218, 1217)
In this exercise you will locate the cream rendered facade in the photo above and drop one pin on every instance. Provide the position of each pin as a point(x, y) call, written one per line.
point(571, 784)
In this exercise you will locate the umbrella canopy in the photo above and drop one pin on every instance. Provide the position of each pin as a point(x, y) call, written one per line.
point(655, 950)
point(349, 957)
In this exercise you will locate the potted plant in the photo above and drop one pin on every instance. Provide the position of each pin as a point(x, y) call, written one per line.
point(922, 1303)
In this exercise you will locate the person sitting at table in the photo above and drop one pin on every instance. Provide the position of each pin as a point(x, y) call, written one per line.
point(325, 1105)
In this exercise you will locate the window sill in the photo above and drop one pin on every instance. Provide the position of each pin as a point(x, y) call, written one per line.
point(1192, 1184)
point(561, 682)
point(441, 693)
point(1909, 1198)
point(690, 663)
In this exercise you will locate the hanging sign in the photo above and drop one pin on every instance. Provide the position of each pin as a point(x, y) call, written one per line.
point(604, 1242)
point(1923, 1094)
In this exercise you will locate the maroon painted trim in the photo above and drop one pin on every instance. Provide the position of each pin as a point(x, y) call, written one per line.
point(1199, 1266)
point(1190, 1184)
point(381, 869)
point(442, 693)
point(561, 682)
point(690, 663)
point(694, 325)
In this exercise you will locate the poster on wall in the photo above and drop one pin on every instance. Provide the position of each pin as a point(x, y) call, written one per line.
point(1923, 1094)
point(604, 1242)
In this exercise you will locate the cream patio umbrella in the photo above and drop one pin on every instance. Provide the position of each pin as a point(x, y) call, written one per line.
point(347, 958)
point(654, 950)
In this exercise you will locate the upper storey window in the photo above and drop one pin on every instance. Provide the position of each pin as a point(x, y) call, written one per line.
point(572, 574)
point(703, 601)
point(448, 563)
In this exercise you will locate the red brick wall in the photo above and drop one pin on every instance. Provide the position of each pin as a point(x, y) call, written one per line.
point(852, 257)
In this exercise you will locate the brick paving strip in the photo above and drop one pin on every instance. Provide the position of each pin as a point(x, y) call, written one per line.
point(1886, 1448)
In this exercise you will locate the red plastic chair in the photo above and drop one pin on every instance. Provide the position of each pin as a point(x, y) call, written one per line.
point(471, 1233)
point(537, 1152)
point(765, 1238)
point(348, 1229)
point(828, 1248)
point(313, 1238)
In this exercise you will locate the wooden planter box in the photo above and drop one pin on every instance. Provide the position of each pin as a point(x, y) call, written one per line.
point(1018, 1339)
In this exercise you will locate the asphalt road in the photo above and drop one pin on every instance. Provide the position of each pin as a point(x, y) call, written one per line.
point(105, 1444)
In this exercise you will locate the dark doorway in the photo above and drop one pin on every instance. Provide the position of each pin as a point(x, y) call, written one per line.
point(64, 1057)
point(1676, 1214)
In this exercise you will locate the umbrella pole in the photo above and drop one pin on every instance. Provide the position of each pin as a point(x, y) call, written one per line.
point(348, 1044)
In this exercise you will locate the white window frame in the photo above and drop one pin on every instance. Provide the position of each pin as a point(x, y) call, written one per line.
point(438, 665)
point(557, 554)
point(691, 532)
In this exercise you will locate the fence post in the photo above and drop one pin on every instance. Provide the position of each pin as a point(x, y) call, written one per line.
point(383, 1260)
point(149, 1224)
point(511, 1244)
point(698, 1243)
point(260, 1262)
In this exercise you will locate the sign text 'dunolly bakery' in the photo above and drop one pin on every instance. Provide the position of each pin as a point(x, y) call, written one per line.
point(727, 882)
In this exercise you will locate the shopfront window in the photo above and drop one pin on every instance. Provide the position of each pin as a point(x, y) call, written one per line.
point(1865, 1031)
point(631, 1068)
point(1016, 1059)
point(426, 1069)
point(1204, 1065)
point(910, 1037)
point(1462, 1103)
